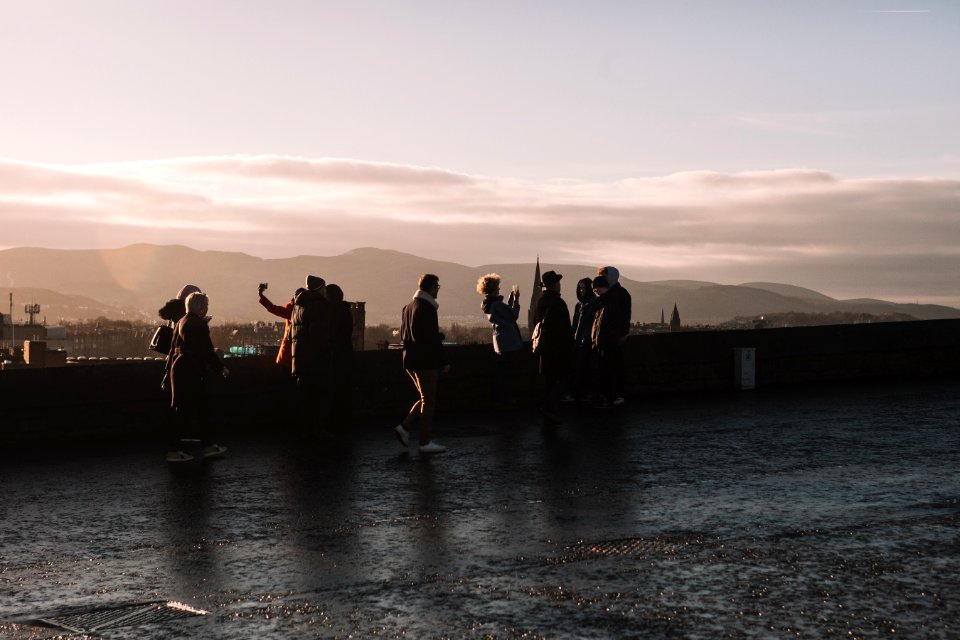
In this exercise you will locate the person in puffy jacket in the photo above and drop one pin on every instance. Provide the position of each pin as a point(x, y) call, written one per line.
point(310, 349)
point(507, 341)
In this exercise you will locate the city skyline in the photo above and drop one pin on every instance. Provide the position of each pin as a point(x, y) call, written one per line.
point(807, 143)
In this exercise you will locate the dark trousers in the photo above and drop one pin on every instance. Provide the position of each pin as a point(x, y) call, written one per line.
point(582, 382)
point(190, 418)
point(425, 380)
point(611, 371)
point(313, 394)
point(503, 367)
point(553, 370)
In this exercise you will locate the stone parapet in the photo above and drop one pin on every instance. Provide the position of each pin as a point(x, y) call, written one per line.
point(125, 399)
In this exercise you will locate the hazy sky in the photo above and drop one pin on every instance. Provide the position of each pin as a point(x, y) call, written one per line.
point(813, 143)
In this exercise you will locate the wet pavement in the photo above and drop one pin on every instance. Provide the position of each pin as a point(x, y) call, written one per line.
point(810, 513)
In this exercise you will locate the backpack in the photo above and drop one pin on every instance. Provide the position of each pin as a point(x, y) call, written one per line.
point(162, 338)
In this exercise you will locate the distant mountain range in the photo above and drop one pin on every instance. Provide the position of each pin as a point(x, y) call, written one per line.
point(134, 281)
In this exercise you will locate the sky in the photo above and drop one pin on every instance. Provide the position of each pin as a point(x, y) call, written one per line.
point(808, 142)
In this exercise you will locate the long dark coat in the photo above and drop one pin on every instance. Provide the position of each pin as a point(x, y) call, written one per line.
point(193, 356)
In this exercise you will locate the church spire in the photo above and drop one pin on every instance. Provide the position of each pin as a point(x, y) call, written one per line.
point(534, 296)
point(675, 319)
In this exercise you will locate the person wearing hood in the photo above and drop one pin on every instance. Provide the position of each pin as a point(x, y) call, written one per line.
point(554, 345)
point(583, 313)
point(617, 308)
point(310, 346)
point(507, 340)
point(193, 356)
point(171, 312)
point(423, 360)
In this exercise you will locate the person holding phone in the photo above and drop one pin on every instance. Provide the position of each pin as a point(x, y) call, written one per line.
point(507, 341)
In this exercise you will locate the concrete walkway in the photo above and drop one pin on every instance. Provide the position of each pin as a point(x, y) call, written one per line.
point(810, 513)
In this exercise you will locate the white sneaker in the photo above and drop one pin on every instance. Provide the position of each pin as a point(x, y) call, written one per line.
point(432, 447)
point(178, 456)
point(402, 435)
point(214, 450)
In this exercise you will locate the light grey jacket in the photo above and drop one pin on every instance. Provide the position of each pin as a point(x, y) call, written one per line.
point(503, 317)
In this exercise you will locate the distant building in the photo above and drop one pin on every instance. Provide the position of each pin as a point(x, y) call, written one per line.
point(534, 297)
point(675, 319)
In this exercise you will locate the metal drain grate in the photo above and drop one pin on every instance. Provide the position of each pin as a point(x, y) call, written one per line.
point(130, 615)
point(623, 547)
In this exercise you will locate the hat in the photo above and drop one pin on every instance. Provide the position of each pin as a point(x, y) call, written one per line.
point(550, 277)
point(315, 282)
point(187, 290)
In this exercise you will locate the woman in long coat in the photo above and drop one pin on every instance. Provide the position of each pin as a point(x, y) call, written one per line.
point(193, 357)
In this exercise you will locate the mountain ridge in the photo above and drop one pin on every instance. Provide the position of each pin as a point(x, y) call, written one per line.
point(137, 279)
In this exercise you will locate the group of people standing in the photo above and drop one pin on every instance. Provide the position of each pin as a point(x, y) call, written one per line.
point(567, 349)
point(317, 349)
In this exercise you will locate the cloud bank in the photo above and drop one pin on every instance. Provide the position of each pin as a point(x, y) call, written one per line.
point(896, 239)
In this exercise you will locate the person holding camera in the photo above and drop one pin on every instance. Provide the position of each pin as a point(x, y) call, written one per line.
point(507, 341)
point(283, 355)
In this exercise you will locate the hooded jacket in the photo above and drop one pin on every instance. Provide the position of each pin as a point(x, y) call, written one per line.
point(619, 306)
point(583, 315)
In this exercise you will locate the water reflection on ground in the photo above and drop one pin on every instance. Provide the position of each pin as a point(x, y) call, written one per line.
point(804, 513)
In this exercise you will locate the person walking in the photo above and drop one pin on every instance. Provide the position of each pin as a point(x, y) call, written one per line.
point(582, 384)
point(310, 349)
point(193, 356)
point(555, 341)
point(507, 341)
point(423, 360)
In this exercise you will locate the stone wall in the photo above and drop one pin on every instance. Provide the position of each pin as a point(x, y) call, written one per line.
point(124, 399)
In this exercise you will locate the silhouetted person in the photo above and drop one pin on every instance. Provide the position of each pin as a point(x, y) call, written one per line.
point(283, 355)
point(507, 341)
point(554, 346)
point(193, 359)
point(423, 360)
point(172, 311)
point(341, 354)
point(582, 382)
point(310, 353)
point(618, 308)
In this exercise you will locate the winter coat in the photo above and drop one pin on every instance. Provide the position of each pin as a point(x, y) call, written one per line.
point(619, 305)
point(283, 355)
point(420, 334)
point(342, 329)
point(310, 334)
point(192, 356)
point(583, 315)
point(503, 316)
point(556, 334)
